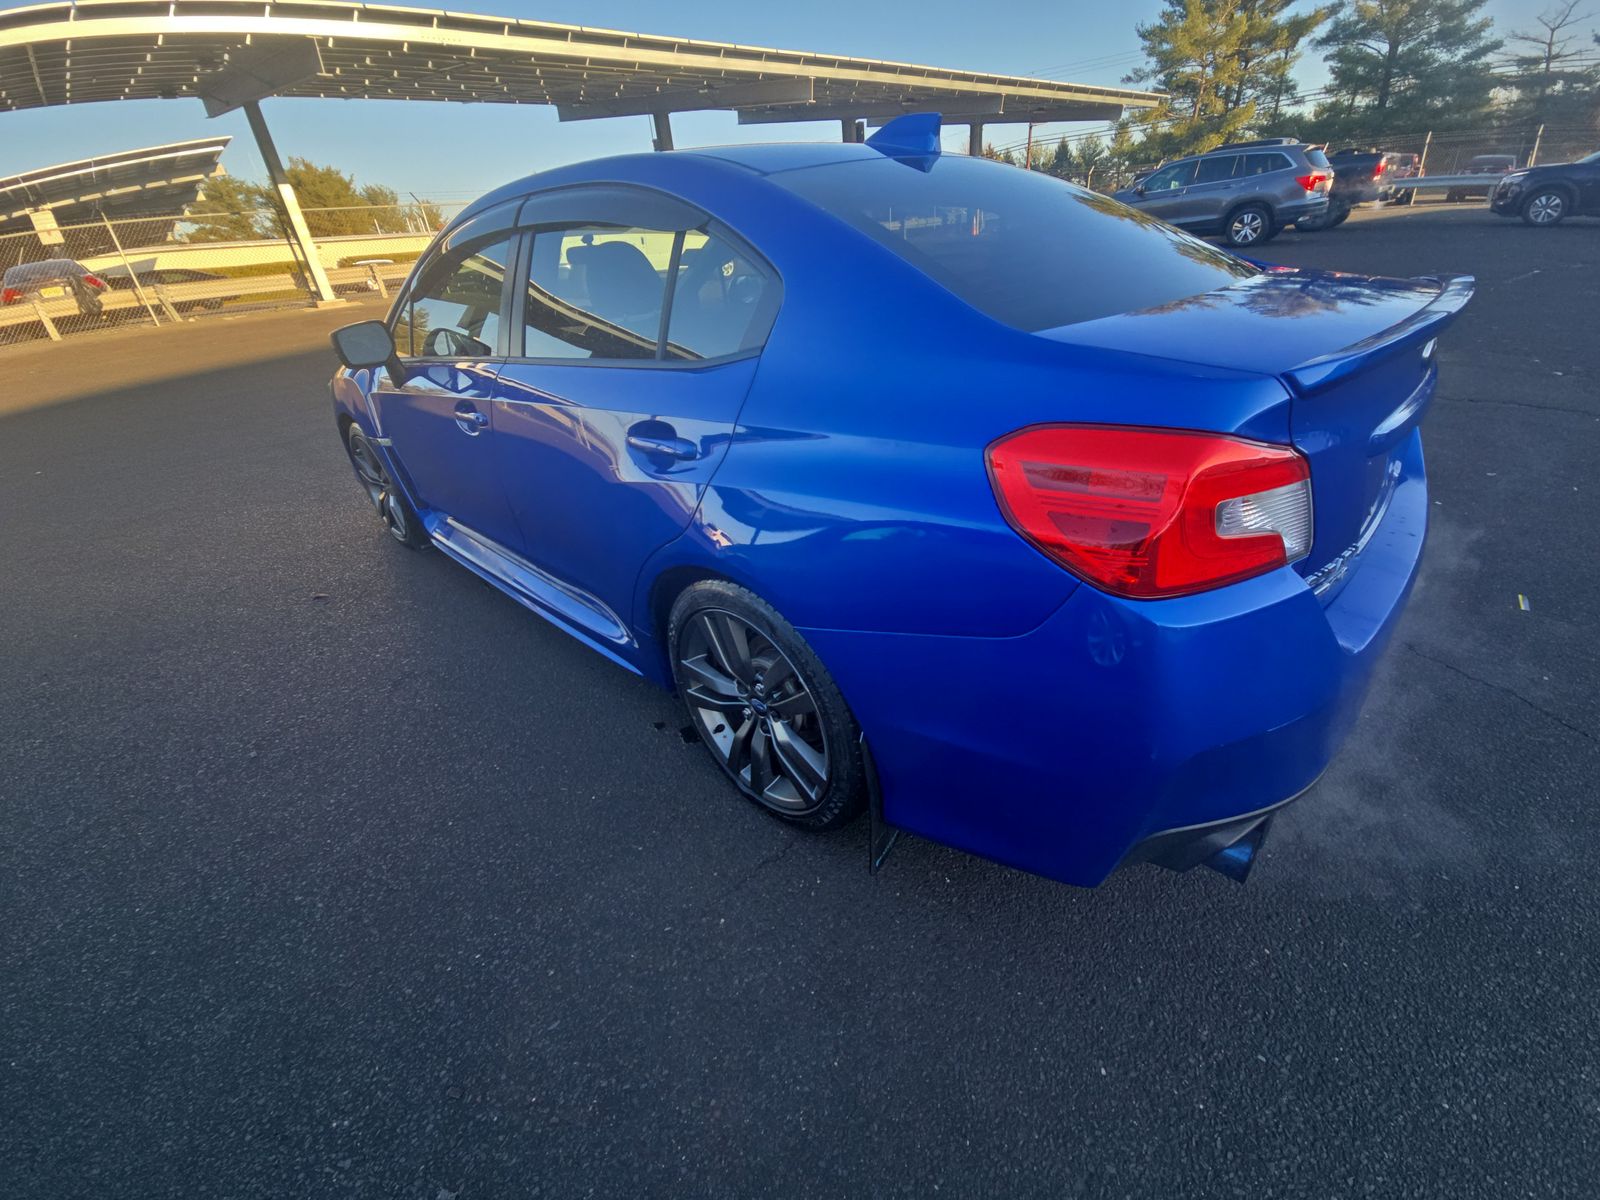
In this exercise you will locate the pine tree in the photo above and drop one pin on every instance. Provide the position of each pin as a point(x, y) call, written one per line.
point(1400, 62)
point(1222, 63)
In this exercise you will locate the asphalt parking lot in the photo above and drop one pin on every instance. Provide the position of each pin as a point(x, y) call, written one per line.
point(325, 870)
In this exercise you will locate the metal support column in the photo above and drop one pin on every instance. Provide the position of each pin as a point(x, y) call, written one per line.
point(975, 139)
point(298, 231)
point(850, 130)
point(663, 125)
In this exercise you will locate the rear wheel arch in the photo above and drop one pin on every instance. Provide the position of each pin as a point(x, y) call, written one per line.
point(664, 591)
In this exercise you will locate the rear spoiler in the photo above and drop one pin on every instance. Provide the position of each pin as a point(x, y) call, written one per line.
point(1425, 323)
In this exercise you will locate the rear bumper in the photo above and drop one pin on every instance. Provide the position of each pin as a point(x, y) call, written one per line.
point(1293, 211)
point(1116, 727)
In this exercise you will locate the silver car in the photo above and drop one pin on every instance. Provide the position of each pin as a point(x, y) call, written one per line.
point(1244, 192)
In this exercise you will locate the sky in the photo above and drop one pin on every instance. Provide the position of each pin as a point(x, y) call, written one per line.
point(456, 151)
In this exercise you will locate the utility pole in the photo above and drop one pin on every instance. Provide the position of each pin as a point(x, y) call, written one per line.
point(1422, 165)
point(1028, 160)
point(1533, 158)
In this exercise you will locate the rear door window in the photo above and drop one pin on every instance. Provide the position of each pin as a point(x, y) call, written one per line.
point(1218, 169)
point(723, 300)
point(596, 291)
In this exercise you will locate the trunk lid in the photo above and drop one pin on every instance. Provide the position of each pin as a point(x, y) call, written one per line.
point(1355, 353)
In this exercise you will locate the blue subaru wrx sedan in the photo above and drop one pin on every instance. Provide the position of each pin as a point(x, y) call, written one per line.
point(1071, 539)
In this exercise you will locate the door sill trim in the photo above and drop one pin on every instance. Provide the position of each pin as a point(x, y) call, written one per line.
point(533, 586)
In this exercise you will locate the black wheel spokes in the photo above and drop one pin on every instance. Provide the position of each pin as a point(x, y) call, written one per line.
point(731, 645)
point(711, 688)
point(756, 711)
point(805, 766)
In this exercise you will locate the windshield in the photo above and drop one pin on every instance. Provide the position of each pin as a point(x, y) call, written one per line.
point(1022, 246)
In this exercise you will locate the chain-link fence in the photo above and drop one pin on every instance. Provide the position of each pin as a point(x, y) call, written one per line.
point(56, 282)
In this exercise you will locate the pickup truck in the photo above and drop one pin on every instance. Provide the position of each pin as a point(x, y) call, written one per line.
point(1360, 176)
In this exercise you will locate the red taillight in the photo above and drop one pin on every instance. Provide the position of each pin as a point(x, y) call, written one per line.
point(1149, 513)
point(1377, 170)
point(94, 281)
point(10, 296)
point(1309, 182)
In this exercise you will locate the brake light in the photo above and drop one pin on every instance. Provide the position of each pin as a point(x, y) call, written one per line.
point(10, 296)
point(94, 281)
point(1149, 513)
point(1309, 182)
point(1377, 170)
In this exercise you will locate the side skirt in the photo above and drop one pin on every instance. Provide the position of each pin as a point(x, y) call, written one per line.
point(569, 609)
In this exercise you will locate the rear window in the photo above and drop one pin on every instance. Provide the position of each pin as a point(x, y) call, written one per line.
point(34, 272)
point(1024, 247)
point(1316, 157)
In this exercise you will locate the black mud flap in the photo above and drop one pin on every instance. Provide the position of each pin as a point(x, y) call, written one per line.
point(881, 835)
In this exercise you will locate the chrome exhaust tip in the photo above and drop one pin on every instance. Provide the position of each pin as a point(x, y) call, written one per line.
point(1236, 859)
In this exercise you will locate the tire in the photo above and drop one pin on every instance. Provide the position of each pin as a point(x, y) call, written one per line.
point(797, 756)
point(393, 509)
point(1546, 207)
point(1248, 225)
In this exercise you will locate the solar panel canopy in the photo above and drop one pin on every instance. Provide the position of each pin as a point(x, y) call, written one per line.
point(155, 180)
point(101, 50)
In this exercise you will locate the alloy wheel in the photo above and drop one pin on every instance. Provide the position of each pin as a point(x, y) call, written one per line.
point(380, 489)
point(755, 711)
point(1247, 228)
point(1546, 208)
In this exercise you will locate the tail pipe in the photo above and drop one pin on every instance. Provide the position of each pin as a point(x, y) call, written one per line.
point(1235, 860)
point(1229, 847)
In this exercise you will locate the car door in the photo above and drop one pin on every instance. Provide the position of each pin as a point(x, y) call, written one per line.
point(449, 332)
point(1162, 193)
point(1212, 192)
point(1586, 174)
point(640, 322)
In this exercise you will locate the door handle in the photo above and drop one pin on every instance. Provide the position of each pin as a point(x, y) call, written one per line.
point(471, 419)
point(669, 447)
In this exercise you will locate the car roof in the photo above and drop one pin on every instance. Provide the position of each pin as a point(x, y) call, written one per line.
point(761, 159)
point(43, 266)
point(1243, 148)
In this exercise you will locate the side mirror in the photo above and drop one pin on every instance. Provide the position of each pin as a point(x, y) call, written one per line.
point(1138, 189)
point(365, 344)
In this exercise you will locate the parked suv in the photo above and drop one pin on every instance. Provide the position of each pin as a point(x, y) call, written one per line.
point(1244, 192)
point(1546, 195)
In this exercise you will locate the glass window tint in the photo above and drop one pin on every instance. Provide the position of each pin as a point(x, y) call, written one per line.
point(1260, 164)
point(722, 302)
point(596, 291)
point(1176, 176)
point(1022, 246)
point(455, 308)
point(1215, 170)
